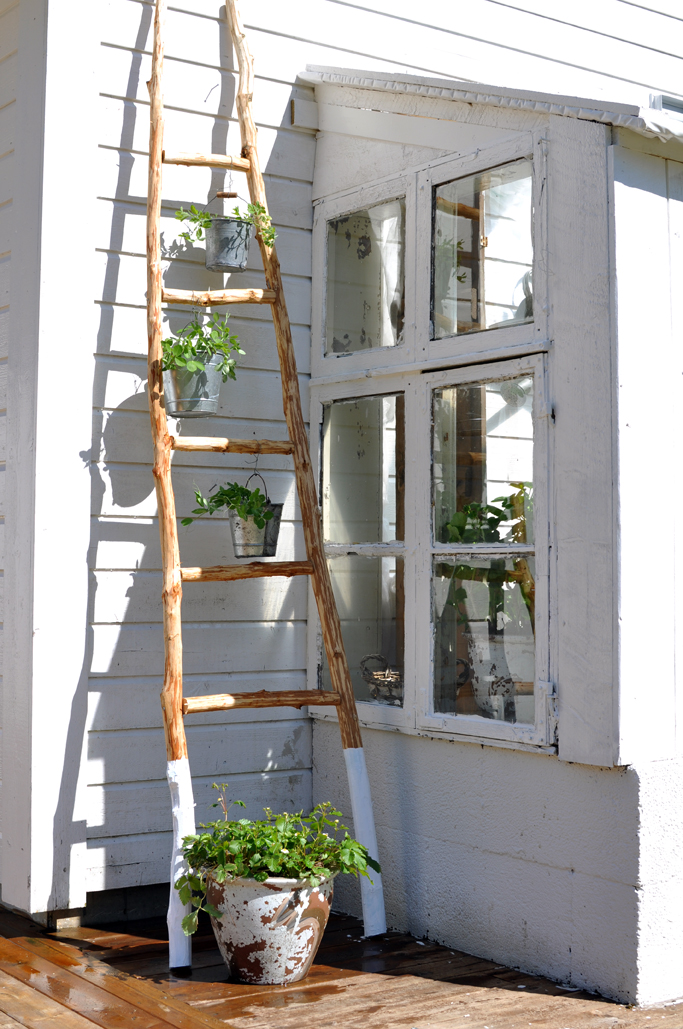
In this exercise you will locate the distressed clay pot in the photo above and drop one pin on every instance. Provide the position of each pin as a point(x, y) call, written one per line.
point(270, 931)
point(193, 394)
point(250, 541)
point(227, 244)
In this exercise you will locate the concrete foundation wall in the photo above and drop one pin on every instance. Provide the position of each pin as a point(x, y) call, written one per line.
point(524, 859)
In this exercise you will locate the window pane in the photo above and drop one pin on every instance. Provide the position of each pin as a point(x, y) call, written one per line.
point(484, 637)
point(482, 469)
point(369, 593)
point(482, 251)
point(363, 470)
point(365, 279)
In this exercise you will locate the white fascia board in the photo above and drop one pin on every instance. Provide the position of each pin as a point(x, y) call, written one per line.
point(645, 120)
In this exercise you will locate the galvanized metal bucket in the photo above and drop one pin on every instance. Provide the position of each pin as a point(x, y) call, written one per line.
point(193, 394)
point(250, 541)
point(270, 932)
point(247, 539)
point(227, 244)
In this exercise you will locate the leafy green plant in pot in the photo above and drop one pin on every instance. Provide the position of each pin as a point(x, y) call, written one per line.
point(194, 363)
point(254, 519)
point(267, 886)
point(227, 237)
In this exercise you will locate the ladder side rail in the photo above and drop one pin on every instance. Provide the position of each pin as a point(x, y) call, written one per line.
point(359, 785)
point(178, 769)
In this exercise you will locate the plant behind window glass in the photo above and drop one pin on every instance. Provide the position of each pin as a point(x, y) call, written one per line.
point(487, 523)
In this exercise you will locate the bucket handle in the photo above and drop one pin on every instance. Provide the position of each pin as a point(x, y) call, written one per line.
point(258, 475)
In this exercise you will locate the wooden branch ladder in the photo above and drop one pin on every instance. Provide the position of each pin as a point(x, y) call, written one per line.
point(173, 705)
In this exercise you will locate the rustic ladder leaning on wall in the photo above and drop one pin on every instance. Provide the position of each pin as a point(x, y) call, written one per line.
point(173, 705)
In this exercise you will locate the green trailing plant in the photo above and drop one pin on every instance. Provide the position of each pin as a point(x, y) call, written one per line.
point(488, 523)
point(192, 348)
point(199, 222)
point(249, 503)
point(289, 846)
point(256, 215)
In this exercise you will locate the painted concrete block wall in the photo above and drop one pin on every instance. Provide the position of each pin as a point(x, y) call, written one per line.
point(519, 858)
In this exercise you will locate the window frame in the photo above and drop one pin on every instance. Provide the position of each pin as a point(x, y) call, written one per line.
point(416, 367)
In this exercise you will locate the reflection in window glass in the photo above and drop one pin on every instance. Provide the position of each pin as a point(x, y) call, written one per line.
point(363, 470)
point(369, 595)
point(365, 279)
point(484, 637)
point(482, 251)
point(483, 462)
point(484, 604)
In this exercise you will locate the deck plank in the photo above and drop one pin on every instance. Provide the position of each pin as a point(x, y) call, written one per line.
point(120, 988)
point(20, 1005)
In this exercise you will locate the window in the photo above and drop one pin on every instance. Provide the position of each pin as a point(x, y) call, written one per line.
point(363, 504)
point(482, 264)
point(365, 279)
point(433, 483)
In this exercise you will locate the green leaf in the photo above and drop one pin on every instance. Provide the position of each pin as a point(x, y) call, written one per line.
point(189, 923)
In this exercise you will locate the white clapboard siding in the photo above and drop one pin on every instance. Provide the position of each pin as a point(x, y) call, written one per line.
point(129, 543)
point(122, 809)
point(134, 596)
point(135, 860)
point(9, 34)
point(129, 703)
point(127, 756)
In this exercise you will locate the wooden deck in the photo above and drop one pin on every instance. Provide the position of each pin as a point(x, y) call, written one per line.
point(116, 978)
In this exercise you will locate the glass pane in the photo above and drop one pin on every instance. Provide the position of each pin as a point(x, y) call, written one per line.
point(363, 470)
point(484, 637)
point(482, 469)
point(369, 592)
point(482, 251)
point(365, 279)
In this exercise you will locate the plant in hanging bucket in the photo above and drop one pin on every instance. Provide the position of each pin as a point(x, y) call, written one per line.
point(227, 237)
point(194, 362)
point(254, 519)
point(273, 880)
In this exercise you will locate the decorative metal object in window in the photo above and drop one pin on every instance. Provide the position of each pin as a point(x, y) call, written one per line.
point(484, 594)
point(482, 251)
point(363, 512)
point(366, 279)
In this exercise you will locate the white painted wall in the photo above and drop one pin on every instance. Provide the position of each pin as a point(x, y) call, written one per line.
point(83, 750)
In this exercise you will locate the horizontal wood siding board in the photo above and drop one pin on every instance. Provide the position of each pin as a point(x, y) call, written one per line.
point(136, 755)
point(133, 702)
point(136, 649)
point(130, 809)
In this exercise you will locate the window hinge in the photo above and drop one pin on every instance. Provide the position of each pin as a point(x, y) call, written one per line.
point(548, 710)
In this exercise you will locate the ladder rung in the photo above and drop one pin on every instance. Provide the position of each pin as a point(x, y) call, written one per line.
point(220, 445)
point(218, 296)
point(278, 698)
point(207, 160)
point(254, 570)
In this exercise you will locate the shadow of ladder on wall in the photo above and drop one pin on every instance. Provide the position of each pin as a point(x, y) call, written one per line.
point(174, 707)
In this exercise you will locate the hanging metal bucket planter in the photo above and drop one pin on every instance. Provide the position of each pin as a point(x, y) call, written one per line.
point(193, 394)
point(227, 244)
point(270, 931)
point(250, 541)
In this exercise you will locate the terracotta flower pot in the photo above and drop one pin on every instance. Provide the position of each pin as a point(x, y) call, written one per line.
point(270, 931)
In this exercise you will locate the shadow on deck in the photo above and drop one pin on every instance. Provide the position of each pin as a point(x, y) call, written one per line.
point(117, 977)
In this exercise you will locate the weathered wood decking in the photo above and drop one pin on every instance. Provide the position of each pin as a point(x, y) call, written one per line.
point(117, 978)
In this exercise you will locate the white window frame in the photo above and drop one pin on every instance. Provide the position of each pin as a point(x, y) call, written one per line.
point(416, 367)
